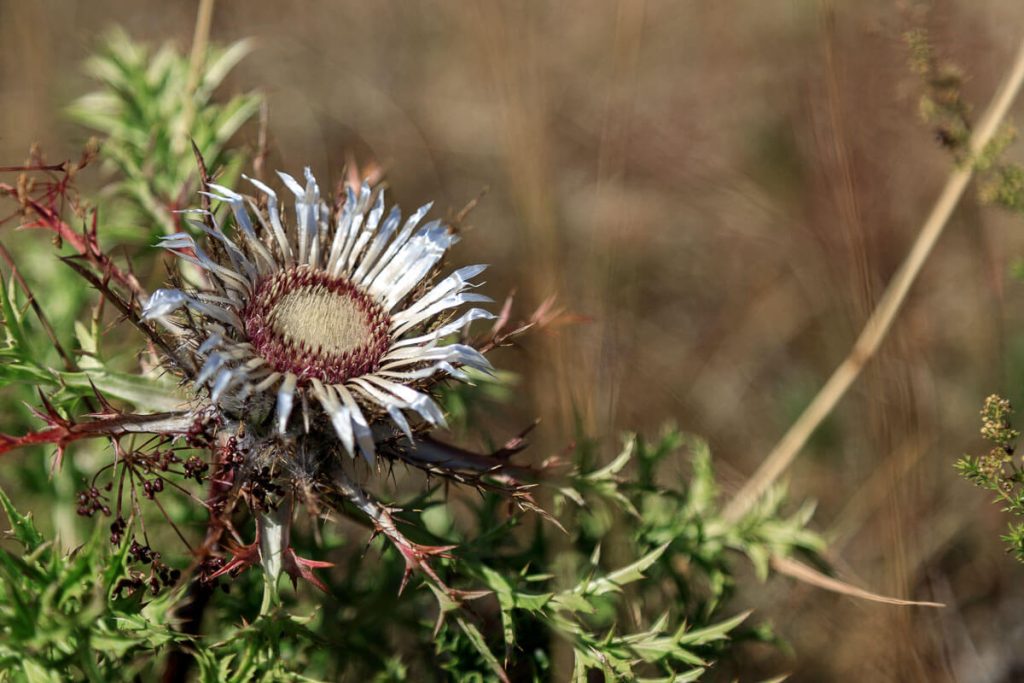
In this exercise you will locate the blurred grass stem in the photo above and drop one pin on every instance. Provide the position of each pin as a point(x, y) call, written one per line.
point(881, 319)
point(197, 57)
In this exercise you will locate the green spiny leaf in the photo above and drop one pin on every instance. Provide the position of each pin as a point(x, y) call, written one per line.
point(22, 528)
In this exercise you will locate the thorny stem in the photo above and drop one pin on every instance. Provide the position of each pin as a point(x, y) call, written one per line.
point(127, 310)
point(37, 167)
point(62, 432)
point(199, 593)
point(870, 338)
point(85, 243)
point(416, 556)
point(274, 538)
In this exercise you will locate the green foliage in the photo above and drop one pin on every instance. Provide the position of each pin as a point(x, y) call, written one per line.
point(671, 587)
point(1000, 183)
point(61, 617)
point(999, 471)
point(151, 106)
point(149, 111)
point(20, 360)
point(65, 617)
point(661, 614)
point(272, 648)
point(1005, 187)
point(27, 358)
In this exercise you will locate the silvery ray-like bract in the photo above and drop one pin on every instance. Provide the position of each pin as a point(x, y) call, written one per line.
point(339, 311)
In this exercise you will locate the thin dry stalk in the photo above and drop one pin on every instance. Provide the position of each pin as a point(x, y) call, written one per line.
point(197, 58)
point(200, 39)
point(811, 576)
point(786, 450)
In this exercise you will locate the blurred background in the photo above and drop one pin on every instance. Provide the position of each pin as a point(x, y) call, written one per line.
point(721, 190)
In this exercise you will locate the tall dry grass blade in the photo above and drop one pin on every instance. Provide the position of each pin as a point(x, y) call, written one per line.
point(200, 41)
point(811, 576)
point(878, 324)
point(197, 58)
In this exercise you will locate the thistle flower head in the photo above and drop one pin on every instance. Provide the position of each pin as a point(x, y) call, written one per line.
point(337, 312)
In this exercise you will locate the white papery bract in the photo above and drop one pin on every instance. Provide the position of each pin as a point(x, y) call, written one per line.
point(337, 312)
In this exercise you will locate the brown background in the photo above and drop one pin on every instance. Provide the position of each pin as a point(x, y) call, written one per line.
point(723, 189)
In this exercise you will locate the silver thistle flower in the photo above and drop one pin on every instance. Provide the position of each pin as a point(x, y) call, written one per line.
point(339, 310)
